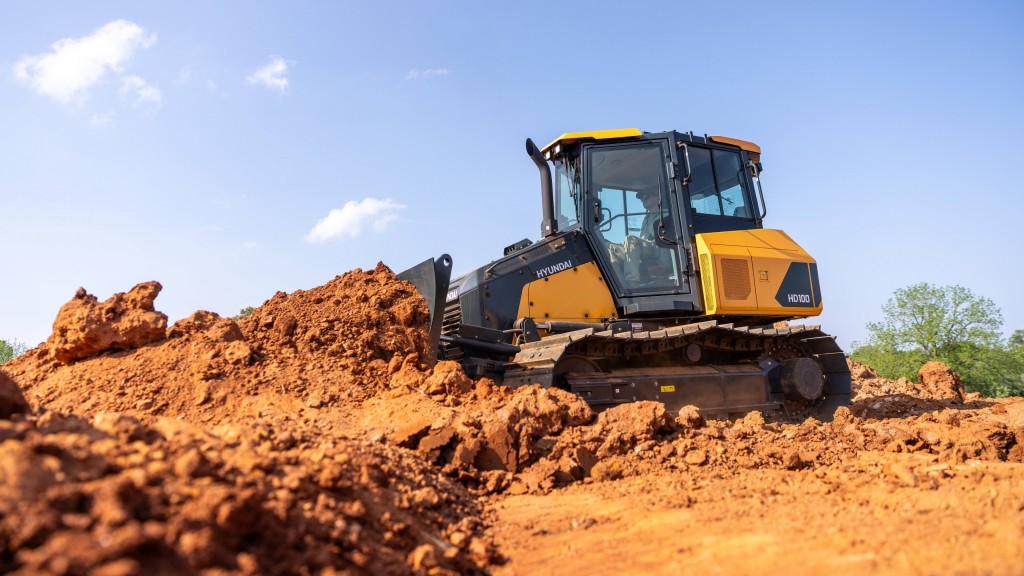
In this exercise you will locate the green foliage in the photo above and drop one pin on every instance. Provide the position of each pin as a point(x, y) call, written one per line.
point(243, 313)
point(892, 364)
point(9, 350)
point(1017, 340)
point(996, 371)
point(950, 324)
point(938, 320)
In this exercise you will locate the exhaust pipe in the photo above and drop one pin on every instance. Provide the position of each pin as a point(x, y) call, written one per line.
point(549, 225)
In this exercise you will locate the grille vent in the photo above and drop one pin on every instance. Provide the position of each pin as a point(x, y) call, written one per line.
point(450, 327)
point(736, 278)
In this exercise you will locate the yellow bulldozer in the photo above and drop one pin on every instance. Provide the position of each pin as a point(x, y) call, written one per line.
point(654, 279)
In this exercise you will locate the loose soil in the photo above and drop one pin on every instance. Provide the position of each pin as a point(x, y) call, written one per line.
point(312, 437)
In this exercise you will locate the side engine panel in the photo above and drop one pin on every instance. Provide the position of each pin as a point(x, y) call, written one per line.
point(760, 272)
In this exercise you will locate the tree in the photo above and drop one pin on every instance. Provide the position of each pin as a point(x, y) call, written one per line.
point(243, 313)
point(947, 323)
point(1017, 339)
point(9, 350)
point(938, 320)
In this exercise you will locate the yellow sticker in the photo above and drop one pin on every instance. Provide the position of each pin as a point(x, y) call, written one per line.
point(668, 388)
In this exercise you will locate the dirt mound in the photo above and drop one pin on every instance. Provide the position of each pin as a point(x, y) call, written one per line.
point(937, 382)
point(311, 435)
point(877, 397)
point(254, 473)
point(356, 323)
point(325, 346)
point(117, 496)
point(85, 327)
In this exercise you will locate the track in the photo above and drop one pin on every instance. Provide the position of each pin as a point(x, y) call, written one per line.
point(721, 368)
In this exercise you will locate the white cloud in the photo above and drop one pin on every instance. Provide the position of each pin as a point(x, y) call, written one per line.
point(352, 218)
point(137, 91)
point(76, 64)
point(274, 75)
point(416, 73)
point(102, 120)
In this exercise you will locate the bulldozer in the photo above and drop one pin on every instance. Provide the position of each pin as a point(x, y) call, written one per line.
point(654, 279)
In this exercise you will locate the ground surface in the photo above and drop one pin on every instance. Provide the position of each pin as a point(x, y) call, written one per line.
point(310, 438)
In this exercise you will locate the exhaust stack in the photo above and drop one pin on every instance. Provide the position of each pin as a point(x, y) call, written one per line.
point(549, 225)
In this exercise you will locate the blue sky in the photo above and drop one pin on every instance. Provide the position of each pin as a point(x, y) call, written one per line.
point(234, 149)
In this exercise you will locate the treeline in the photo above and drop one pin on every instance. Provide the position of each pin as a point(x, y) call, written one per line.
point(923, 322)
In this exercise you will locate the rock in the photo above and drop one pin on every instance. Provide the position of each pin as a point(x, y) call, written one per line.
point(586, 460)
point(754, 419)
point(690, 418)
point(426, 498)
point(466, 453)
point(436, 439)
point(447, 378)
point(608, 469)
point(696, 457)
point(499, 450)
point(85, 327)
point(410, 434)
point(940, 382)
point(423, 558)
point(636, 420)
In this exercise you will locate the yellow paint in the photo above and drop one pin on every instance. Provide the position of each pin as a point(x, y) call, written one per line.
point(764, 255)
point(669, 388)
point(572, 137)
point(578, 294)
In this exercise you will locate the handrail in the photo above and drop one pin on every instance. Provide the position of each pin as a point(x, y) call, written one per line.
point(760, 193)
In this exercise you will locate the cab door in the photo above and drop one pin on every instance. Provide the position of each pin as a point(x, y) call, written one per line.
point(634, 234)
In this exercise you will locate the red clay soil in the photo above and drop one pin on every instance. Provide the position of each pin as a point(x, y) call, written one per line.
point(311, 437)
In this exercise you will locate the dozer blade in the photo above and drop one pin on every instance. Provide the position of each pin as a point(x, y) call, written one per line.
point(431, 279)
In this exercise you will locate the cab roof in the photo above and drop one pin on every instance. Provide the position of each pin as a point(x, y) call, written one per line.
point(552, 149)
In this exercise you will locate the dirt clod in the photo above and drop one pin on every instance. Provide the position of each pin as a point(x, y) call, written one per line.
point(85, 326)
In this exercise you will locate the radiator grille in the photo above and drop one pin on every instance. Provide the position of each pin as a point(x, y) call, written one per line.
point(450, 327)
point(735, 278)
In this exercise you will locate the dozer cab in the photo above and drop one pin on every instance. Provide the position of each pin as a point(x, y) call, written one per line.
point(654, 279)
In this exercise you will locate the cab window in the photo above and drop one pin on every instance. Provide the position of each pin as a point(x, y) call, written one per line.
point(566, 197)
point(718, 185)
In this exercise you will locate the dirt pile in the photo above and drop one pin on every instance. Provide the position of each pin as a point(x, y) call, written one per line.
point(351, 328)
point(214, 446)
point(325, 346)
point(120, 497)
point(312, 436)
point(937, 381)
